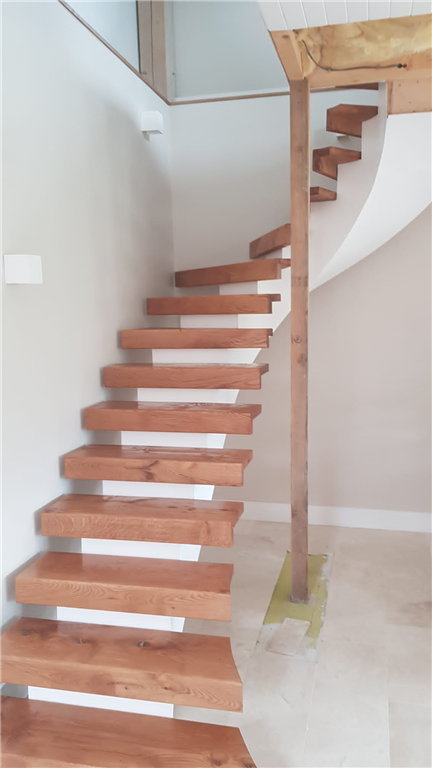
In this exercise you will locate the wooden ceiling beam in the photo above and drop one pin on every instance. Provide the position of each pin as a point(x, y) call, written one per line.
point(362, 52)
point(410, 96)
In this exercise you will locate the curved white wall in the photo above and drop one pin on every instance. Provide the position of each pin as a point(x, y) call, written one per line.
point(401, 191)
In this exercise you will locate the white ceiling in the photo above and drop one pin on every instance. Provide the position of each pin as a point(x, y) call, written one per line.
point(297, 14)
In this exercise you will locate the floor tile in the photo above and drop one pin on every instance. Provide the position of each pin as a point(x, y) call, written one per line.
point(330, 747)
point(409, 665)
point(350, 687)
point(410, 736)
point(375, 645)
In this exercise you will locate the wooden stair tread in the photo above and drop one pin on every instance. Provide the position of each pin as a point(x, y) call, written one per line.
point(327, 159)
point(195, 338)
point(321, 195)
point(185, 376)
point(243, 272)
point(174, 667)
point(172, 417)
point(131, 518)
point(39, 734)
point(241, 304)
point(271, 241)
point(348, 118)
point(157, 465)
point(128, 584)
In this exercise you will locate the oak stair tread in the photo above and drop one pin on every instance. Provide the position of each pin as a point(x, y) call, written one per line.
point(321, 195)
point(195, 338)
point(241, 304)
point(327, 159)
point(185, 376)
point(39, 734)
point(348, 118)
point(157, 464)
point(132, 518)
point(172, 417)
point(271, 241)
point(129, 584)
point(243, 272)
point(153, 665)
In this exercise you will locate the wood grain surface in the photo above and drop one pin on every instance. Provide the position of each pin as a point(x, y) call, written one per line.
point(39, 734)
point(200, 376)
point(172, 667)
point(131, 518)
point(157, 465)
point(129, 584)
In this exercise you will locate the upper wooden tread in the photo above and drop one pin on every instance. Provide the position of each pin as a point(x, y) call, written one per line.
point(174, 667)
point(243, 272)
point(271, 241)
point(321, 195)
point(141, 585)
point(172, 417)
point(185, 376)
point(360, 111)
point(348, 118)
point(339, 154)
point(327, 159)
point(240, 304)
point(180, 521)
point(39, 734)
point(195, 338)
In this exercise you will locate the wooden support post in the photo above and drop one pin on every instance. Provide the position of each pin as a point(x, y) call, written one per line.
point(300, 203)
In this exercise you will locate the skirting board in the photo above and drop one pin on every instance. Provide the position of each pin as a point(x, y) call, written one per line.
point(343, 517)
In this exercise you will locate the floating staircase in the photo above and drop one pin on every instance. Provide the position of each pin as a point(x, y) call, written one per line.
point(121, 602)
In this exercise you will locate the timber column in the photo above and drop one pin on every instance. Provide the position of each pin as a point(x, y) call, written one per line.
point(300, 206)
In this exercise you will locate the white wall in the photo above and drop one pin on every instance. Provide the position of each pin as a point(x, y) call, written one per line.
point(223, 47)
point(369, 388)
point(116, 21)
point(84, 189)
point(231, 172)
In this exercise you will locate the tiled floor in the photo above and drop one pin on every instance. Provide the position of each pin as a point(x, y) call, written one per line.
point(366, 702)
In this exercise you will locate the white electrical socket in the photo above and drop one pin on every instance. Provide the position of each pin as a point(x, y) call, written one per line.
point(22, 268)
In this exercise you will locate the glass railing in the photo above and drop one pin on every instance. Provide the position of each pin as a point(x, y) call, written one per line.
point(223, 49)
point(189, 51)
point(114, 20)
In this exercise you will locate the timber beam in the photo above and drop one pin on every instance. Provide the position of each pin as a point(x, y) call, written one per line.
point(362, 52)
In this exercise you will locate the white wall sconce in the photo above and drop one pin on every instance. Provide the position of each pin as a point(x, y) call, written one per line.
point(151, 122)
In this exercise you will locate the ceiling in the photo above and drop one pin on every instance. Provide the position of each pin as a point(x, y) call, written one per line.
point(297, 14)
